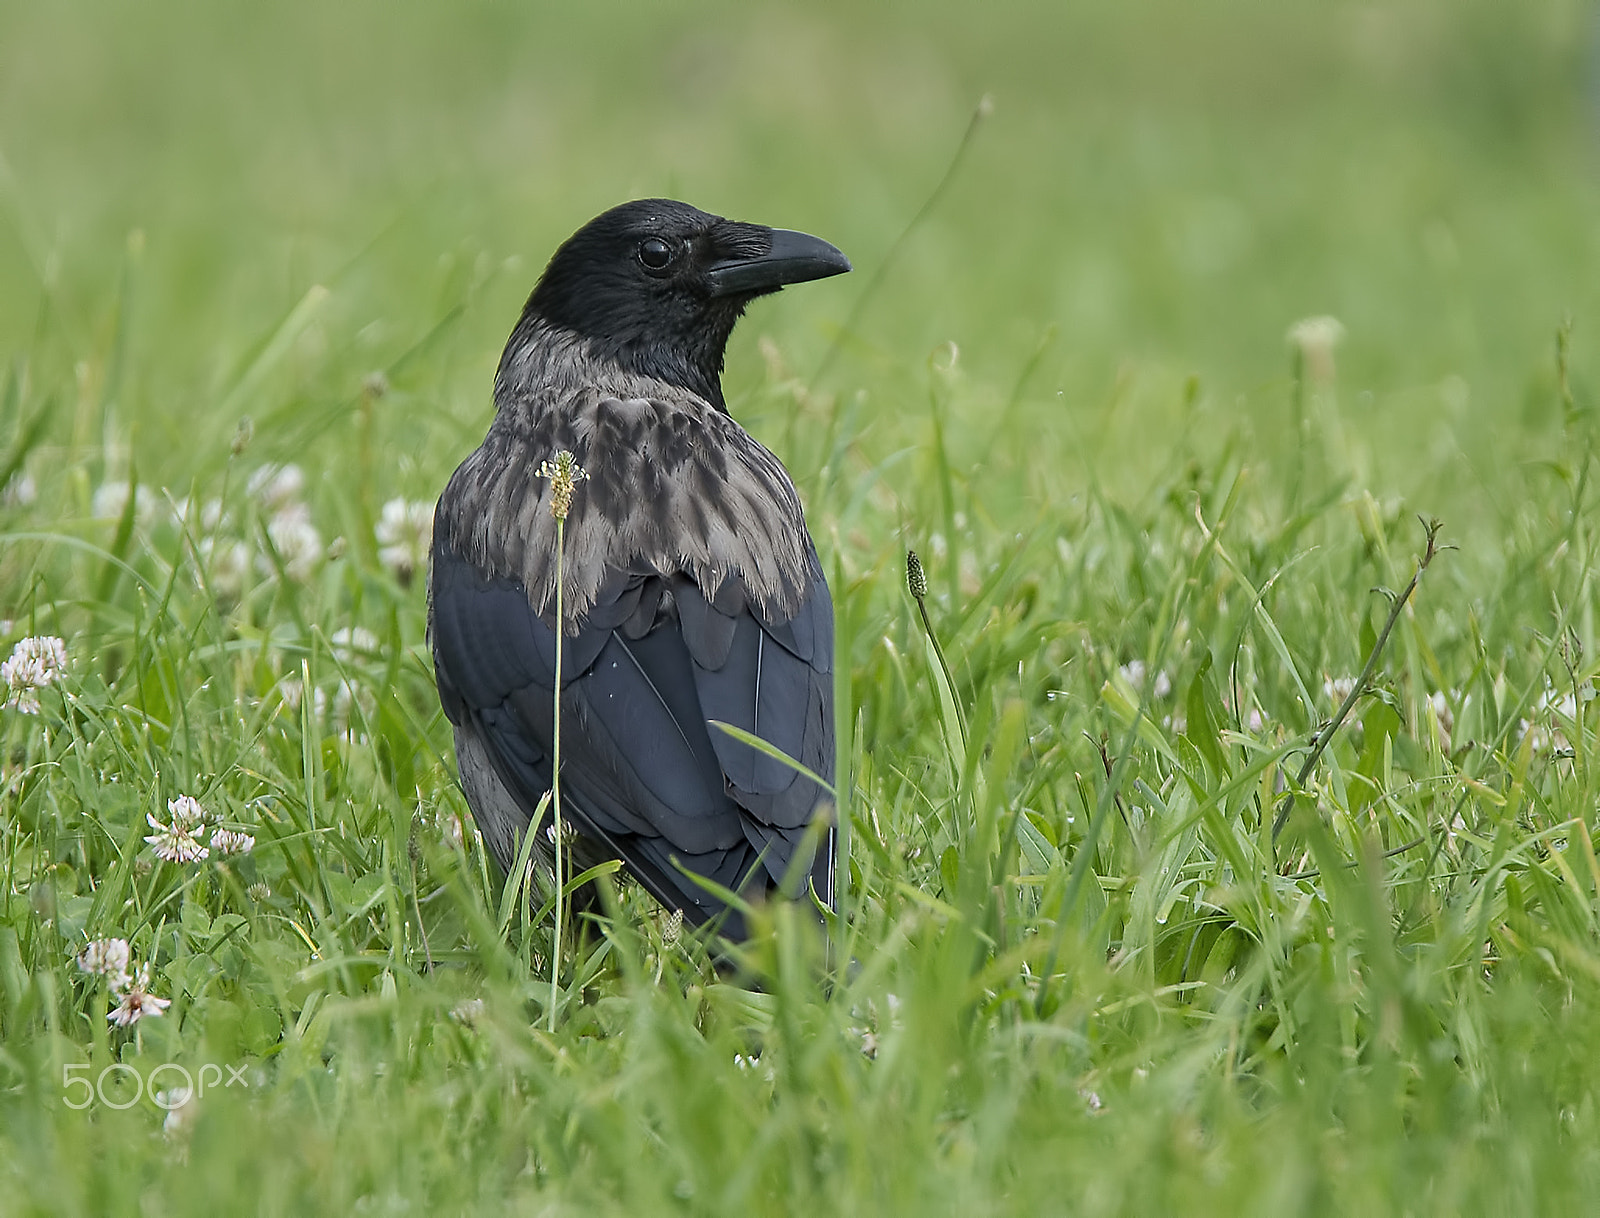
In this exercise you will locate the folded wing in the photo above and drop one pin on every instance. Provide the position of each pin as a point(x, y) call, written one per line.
point(645, 778)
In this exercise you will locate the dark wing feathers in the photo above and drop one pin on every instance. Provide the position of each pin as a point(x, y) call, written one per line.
point(808, 635)
point(636, 708)
point(771, 678)
point(643, 775)
point(707, 631)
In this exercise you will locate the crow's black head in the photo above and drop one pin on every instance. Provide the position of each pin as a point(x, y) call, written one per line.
point(657, 285)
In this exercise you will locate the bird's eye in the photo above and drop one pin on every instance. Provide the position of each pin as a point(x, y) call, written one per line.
point(655, 253)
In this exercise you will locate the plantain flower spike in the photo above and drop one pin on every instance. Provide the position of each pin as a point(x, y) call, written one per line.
point(916, 579)
point(564, 474)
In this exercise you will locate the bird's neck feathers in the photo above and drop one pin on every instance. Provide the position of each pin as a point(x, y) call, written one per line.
point(542, 353)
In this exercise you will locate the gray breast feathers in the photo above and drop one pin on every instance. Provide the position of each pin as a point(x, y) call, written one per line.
point(673, 485)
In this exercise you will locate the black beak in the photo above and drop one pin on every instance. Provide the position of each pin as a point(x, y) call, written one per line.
point(791, 258)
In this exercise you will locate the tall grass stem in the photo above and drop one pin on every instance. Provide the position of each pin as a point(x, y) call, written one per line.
point(1326, 734)
point(555, 775)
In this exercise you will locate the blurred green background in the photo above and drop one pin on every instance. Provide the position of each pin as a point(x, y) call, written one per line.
point(1161, 190)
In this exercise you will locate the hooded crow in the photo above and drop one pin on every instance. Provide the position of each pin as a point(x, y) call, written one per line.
point(691, 589)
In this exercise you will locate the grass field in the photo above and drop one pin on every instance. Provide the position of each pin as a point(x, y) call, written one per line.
point(1082, 368)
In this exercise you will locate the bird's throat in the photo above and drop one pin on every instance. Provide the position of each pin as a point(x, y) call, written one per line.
point(539, 351)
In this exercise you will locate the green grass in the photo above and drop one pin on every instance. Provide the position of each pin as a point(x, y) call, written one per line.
point(1089, 979)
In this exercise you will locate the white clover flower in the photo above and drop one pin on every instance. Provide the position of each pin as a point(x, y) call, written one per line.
point(1315, 338)
point(173, 844)
point(277, 486)
point(1564, 704)
point(211, 514)
point(1337, 689)
point(1540, 738)
point(36, 661)
point(228, 841)
point(181, 1108)
point(467, 1012)
point(450, 830)
point(179, 842)
point(111, 501)
point(405, 534)
point(1133, 673)
point(188, 811)
point(108, 958)
point(352, 642)
point(258, 891)
point(20, 491)
point(1443, 715)
point(349, 697)
point(227, 565)
point(1546, 732)
point(292, 690)
point(297, 542)
point(137, 1002)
